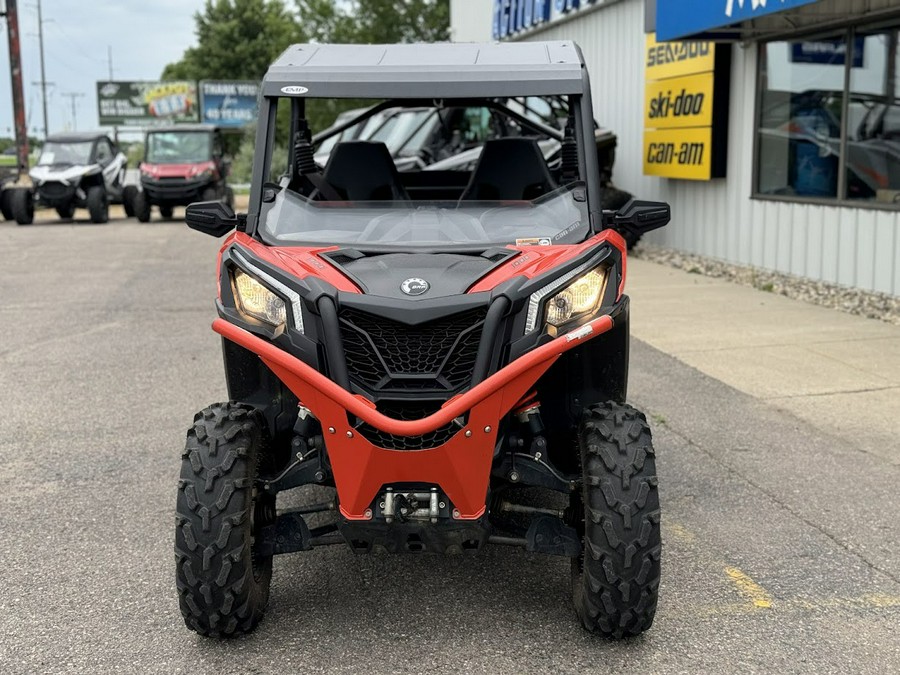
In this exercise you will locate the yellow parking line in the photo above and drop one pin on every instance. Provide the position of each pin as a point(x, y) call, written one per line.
point(749, 588)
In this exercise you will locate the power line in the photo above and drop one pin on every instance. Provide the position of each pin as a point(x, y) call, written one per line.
point(74, 95)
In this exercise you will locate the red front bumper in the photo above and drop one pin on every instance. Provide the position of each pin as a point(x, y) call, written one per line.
point(461, 467)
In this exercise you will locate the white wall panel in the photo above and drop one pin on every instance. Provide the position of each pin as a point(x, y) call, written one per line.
point(718, 218)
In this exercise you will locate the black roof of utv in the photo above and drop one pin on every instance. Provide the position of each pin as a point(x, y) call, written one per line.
point(442, 70)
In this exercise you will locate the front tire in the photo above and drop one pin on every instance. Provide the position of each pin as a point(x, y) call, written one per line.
point(5, 204)
point(128, 195)
point(97, 204)
point(223, 585)
point(141, 205)
point(209, 194)
point(22, 205)
point(616, 579)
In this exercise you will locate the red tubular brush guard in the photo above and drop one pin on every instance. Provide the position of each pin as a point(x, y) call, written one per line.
point(461, 466)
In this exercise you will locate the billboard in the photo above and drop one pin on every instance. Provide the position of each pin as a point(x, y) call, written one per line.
point(228, 104)
point(146, 103)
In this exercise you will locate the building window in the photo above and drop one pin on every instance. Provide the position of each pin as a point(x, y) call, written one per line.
point(829, 117)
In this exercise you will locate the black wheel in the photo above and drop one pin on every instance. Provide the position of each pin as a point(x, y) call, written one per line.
point(128, 194)
point(615, 582)
point(229, 197)
point(6, 204)
point(209, 195)
point(97, 204)
point(141, 206)
point(223, 585)
point(22, 205)
point(166, 212)
point(66, 212)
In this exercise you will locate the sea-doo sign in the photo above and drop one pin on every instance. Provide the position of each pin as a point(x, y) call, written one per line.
point(674, 21)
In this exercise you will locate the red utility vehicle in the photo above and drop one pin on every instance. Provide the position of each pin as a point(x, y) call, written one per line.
point(446, 350)
point(182, 164)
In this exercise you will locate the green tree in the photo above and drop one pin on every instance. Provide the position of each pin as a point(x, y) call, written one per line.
point(236, 40)
point(375, 21)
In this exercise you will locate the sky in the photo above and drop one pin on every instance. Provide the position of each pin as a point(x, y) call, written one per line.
point(144, 37)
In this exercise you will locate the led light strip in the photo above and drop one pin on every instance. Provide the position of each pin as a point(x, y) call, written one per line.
point(292, 295)
point(534, 302)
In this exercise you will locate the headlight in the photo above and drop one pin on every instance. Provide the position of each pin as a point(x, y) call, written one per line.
point(576, 294)
point(206, 174)
point(257, 301)
point(577, 299)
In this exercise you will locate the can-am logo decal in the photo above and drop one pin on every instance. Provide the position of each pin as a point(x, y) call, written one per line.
point(414, 286)
point(294, 90)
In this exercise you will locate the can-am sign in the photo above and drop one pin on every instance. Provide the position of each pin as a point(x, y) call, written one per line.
point(674, 21)
point(515, 16)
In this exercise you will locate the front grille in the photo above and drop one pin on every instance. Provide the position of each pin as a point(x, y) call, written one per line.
point(56, 190)
point(405, 410)
point(438, 355)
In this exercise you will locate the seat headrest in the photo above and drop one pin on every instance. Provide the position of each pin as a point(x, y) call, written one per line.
point(364, 171)
point(509, 169)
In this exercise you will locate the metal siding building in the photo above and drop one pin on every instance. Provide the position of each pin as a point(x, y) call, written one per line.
point(844, 244)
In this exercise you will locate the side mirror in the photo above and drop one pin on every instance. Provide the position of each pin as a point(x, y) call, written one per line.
point(638, 217)
point(213, 218)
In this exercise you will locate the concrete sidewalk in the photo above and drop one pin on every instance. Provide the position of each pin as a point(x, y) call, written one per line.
point(837, 371)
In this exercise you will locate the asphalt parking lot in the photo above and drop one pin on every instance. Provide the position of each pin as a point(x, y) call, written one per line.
point(779, 553)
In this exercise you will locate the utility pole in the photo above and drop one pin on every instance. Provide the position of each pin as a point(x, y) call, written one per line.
point(74, 95)
point(43, 76)
point(18, 98)
point(109, 59)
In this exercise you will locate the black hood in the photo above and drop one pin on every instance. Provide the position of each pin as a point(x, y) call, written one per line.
point(445, 274)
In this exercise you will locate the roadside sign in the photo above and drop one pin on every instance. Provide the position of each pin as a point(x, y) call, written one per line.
point(228, 104)
point(145, 103)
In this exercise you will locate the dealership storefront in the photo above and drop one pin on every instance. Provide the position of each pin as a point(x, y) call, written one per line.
point(772, 127)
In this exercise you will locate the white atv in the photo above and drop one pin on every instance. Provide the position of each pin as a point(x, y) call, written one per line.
point(77, 170)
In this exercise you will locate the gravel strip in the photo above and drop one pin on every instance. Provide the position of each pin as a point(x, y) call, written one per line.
point(852, 300)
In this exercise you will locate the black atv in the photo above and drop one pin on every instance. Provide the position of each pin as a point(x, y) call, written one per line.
point(443, 348)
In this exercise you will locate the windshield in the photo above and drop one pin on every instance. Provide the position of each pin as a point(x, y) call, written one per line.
point(559, 217)
point(76, 152)
point(178, 147)
point(462, 173)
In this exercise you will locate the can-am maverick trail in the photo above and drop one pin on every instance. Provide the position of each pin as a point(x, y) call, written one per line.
point(444, 348)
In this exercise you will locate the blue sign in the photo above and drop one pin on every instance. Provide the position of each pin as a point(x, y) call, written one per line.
point(513, 16)
point(673, 22)
point(228, 104)
point(827, 52)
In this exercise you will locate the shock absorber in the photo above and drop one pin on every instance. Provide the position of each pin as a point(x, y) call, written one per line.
point(304, 158)
point(569, 155)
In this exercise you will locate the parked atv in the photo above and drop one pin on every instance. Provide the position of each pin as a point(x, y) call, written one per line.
point(443, 348)
point(182, 164)
point(74, 170)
